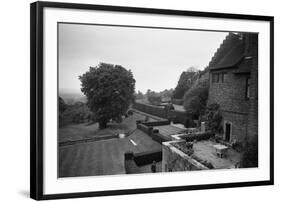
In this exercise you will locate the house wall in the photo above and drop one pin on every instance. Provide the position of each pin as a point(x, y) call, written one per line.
point(253, 107)
point(230, 94)
point(238, 123)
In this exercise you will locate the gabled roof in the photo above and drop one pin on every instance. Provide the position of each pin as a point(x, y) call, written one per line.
point(229, 54)
point(233, 57)
point(244, 66)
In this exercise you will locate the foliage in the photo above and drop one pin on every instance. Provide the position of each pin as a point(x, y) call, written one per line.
point(62, 105)
point(195, 99)
point(198, 136)
point(154, 99)
point(250, 156)
point(186, 80)
point(76, 113)
point(62, 108)
point(214, 117)
point(109, 90)
point(139, 95)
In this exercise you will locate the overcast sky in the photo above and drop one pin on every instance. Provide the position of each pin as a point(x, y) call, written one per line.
point(155, 56)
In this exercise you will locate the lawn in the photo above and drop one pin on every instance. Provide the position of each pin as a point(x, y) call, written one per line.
point(86, 130)
point(103, 157)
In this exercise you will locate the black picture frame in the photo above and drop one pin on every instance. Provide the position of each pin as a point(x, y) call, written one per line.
point(36, 98)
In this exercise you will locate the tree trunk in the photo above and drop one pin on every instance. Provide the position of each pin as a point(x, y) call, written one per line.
point(102, 124)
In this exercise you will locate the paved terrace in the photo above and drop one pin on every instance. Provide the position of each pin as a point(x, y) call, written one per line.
point(205, 150)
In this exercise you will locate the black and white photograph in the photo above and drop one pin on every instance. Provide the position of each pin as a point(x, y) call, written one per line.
point(145, 100)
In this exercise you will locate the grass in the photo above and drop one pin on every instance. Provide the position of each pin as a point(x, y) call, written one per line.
point(81, 131)
point(104, 157)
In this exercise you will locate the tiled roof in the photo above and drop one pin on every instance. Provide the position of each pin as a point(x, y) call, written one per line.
point(233, 57)
point(244, 66)
point(230, 53)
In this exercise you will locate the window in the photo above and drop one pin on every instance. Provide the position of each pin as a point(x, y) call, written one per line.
point(222, 77)
point(247, 88)
point(218, 77)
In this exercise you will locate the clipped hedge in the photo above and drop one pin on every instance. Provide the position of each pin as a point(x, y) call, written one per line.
point(160, 138)
point(175, 116)
point(144, 128)
point(198, 136)
point(144, 158)
point(157, 123)
point(177, 101)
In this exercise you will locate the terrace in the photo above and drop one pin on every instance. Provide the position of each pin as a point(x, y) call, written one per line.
point(203, 155)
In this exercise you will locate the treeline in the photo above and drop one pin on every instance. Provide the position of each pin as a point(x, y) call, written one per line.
point(155, 98)
point(73, 113)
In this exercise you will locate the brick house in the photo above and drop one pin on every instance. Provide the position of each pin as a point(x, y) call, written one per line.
point(234, 85)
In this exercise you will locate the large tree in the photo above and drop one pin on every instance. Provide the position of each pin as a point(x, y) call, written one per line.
point(109, 90)
point(195, 99)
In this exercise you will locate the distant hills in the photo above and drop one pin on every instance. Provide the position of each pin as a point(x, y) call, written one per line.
point(72, 97)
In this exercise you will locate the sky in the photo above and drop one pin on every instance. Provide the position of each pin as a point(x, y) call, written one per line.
point(156, 57)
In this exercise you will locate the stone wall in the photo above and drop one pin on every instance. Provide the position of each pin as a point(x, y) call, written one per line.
point(242, 113)
point(175, 160)
point(238, 123)
point(231, 94)
point(253, 107)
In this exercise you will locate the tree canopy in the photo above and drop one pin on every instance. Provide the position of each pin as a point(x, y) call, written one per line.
point(186, 80)
point(109, 90)
point(195, 99)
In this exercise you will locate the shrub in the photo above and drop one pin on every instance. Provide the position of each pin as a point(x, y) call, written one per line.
point(195, 99)
point(198, 136)
point(160, 138)
point(130, 112)
point(145, 158)
point(154, 99)
point(214, 117)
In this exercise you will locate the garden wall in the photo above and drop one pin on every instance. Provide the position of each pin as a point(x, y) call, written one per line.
point(175, 160)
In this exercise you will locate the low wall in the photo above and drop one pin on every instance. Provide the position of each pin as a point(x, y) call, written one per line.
point(175, 160)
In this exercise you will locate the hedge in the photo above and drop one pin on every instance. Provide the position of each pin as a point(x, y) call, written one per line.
point(198, 136)
point(177, 101)
point(160, 138)
point(144, 128)
point(144, 158)
point(157, 123)
point(175, 116)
